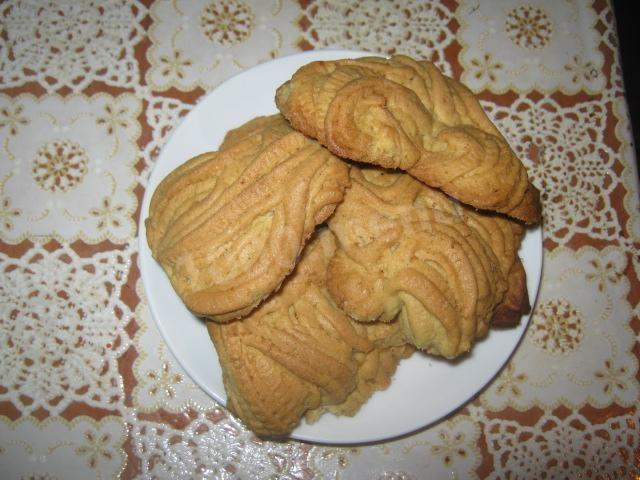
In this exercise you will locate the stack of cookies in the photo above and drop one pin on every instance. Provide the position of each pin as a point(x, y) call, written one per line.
point(378, 214)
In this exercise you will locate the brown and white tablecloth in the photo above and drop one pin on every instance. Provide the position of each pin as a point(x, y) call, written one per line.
point(90, 92)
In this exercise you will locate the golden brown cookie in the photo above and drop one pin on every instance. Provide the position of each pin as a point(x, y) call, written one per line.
point(228, 226)
point(503, 237)
point(298, 354)
point(401, 113)
point(408, 252)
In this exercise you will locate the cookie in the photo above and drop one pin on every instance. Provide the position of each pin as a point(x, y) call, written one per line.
point(408, 253)
point(227, 227)
point(404, 114)
point(503, 237)
point(299, 355)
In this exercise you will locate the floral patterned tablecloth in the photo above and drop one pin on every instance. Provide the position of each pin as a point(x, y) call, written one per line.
point(89, 93)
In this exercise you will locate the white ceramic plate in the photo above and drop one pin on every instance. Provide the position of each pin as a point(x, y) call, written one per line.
point(423, 390)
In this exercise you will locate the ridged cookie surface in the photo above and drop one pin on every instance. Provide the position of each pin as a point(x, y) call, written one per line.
point(407, 252)
point(228, 226)
point(402, 113)
point(297, 354)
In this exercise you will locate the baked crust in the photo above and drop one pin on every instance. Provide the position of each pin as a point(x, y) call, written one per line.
point(227, 227)
point(404, 114)
point(298, 354)
point(408, 253)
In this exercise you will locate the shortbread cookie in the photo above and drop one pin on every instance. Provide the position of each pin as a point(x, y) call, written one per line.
point(298, 354)
point(515, 302)
point(228, 226)
point(407, 252)
point(404, 114)
point(503, 237)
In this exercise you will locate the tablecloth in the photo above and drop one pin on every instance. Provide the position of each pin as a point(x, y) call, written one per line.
point(90, 92)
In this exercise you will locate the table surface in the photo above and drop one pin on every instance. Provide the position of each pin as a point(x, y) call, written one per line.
point(90, 92)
